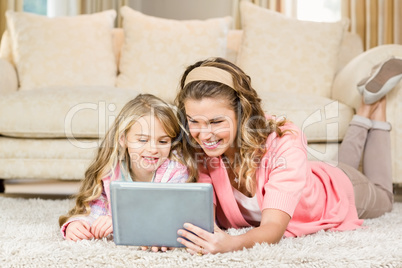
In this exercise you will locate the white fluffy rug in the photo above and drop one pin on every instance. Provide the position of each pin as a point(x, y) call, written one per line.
point(29, 237)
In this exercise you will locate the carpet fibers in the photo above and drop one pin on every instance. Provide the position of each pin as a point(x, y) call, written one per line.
point(29, 237)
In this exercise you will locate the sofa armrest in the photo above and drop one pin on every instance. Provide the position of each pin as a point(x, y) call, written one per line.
point(351, 47)
point(345, 82)
point(8, 77)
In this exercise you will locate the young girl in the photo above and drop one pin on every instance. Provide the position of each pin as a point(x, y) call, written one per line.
point(142, 145)
point(259, 168)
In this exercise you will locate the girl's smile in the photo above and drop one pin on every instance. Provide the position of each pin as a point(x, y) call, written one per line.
point(150, 160)
point(148, 145)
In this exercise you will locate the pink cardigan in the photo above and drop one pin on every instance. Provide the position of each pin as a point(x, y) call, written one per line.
point(316, 195)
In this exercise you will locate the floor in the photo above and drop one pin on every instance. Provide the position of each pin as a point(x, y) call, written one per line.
point(55, 189)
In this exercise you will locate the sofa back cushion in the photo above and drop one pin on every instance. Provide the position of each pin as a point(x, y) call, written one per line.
point(286, 54)
point(118, 40)
point(156, 51)
point(62, 51)
point(6, 52)
point(351, 46)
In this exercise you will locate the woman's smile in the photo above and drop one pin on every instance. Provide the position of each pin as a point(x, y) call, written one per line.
point(213, 124)
point(211, 145)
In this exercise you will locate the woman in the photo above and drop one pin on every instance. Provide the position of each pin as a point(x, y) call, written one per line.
point(259, 168)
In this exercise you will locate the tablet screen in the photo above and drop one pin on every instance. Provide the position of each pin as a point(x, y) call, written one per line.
point(150, 214)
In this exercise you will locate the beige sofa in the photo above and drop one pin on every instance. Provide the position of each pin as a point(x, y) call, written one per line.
point(53, 132)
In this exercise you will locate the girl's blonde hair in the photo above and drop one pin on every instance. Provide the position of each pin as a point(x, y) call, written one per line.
point(252, 130)
point(111, 153)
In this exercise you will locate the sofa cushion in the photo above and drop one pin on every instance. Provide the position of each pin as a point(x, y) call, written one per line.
point(63, 51)
point(8, 77)
point(156, 51)
point(286, 54)
point(320, 118)
point(6, 52)
point(233, 46)
point(16, 148)
point(46, 158)
point(88, 112)
point(58, 112)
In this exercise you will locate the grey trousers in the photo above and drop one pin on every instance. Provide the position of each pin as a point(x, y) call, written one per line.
point(370, 142)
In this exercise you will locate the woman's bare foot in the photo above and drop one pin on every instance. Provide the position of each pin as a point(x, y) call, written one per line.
point(379, 114)
point(375, 111)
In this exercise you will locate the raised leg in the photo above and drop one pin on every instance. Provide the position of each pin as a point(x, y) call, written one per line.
point(377, 162)
point(369, 133)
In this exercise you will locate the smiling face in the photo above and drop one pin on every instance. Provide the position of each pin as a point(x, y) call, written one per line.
point(148, 146)
point(213, 124)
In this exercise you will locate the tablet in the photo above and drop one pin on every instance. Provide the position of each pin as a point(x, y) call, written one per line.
point(150, 214)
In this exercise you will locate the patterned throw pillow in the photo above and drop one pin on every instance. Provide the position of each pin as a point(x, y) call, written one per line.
point(283, 54)
point(63, 51)
point(156, 51)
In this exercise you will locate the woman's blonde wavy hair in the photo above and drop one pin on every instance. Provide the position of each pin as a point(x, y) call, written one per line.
point(111, 153)
point(252, 130)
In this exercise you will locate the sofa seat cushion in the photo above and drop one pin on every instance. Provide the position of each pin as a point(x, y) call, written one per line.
point(46, 158)
point(59, 112)
point(87, 112)
point(44, 169)
point(320, 118)
point(16, 148)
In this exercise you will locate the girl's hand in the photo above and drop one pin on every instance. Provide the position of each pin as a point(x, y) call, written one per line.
point(102, 227)
point(156, 249)
point(202, 242)
point(78, 230)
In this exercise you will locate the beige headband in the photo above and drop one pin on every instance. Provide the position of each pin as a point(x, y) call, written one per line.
point(209, 73)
